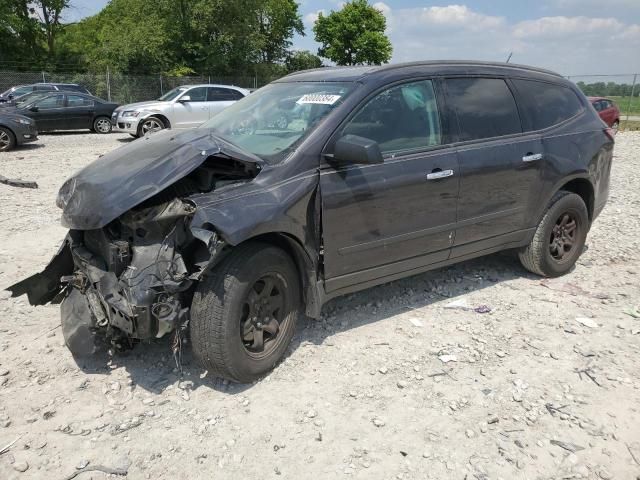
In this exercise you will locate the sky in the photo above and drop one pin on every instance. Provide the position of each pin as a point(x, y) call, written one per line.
point(572, 37)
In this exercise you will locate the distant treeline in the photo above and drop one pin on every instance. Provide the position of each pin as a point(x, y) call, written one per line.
point(608, 89)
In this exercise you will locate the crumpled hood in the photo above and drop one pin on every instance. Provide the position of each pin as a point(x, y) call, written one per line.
point(127, 176)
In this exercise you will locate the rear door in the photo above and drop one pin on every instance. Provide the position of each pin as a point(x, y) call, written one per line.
point(220, 98)
point(80, 111)
point(500, 166)
point(389, 218)
point(192, 113)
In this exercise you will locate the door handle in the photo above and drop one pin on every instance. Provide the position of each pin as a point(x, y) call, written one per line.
point(532, 157)
point(438, 174)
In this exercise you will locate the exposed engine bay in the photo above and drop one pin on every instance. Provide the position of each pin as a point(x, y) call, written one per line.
point(132, 279)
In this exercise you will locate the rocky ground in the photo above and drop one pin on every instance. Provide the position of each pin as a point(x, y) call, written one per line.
point(478, 371)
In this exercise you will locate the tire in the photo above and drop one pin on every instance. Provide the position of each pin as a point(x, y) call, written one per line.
point(150, 125)
point(102, 125)
point(616, 125)
point(7, 139)
point(549, 254)
point(223, 328)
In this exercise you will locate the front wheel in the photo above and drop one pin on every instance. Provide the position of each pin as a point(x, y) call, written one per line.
point(102, 125)
point(243, 314)
point(7, 139)
point(559, 238)
point(150, 125)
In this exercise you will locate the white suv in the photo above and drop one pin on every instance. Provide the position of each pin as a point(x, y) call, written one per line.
point(183, 107)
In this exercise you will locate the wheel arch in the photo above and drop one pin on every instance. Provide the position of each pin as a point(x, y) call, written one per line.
point(306, 266)
point(159, 115)
point(584, 188)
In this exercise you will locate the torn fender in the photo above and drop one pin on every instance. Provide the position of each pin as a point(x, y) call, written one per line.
point(127, 176)
point(45, 287)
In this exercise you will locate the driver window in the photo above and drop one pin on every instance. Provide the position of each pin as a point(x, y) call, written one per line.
point(54, 101)
point(198, 94)
point(404, 117)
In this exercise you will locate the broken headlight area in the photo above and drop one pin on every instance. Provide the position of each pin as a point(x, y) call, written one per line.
point(135, 276)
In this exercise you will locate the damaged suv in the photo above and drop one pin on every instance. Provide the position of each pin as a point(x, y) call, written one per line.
point(322, 183)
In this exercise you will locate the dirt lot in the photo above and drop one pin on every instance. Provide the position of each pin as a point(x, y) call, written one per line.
point(394, 382)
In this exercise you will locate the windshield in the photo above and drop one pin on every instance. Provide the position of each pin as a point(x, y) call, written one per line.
point(270, 122)
point(171, 94)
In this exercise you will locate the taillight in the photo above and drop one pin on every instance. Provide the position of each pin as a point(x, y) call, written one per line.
point(611, 133)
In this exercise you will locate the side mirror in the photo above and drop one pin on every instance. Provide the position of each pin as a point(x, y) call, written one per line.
point(356, 149)
point(185, 99)
point(34, 109)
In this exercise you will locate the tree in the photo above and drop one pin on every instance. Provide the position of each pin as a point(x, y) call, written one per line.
point(354, 35)
point(302, 60)
point(49, 12)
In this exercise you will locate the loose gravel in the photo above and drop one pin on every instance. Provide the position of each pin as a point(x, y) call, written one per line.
point(477, 371)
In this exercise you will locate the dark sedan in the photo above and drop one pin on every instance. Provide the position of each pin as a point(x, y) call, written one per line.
point(15, 130)
point(68, 111)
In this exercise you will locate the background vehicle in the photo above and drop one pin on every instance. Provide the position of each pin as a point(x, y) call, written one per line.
point(20, 90)
point(608, 111)
point(183, 107)
point(68, 111)
point(27, 97)
point(373, 174)
point(16, 130)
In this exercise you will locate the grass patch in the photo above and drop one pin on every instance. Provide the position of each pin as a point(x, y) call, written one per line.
point(631, 125)
point(623, 104)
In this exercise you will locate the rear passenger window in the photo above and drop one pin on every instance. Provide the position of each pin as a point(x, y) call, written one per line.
point(547, 104)
point(484, 106)
point(218, 94)
point(404, 117)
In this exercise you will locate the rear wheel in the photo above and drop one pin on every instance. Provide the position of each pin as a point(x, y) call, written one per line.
point(243, 315)
point(559, 238)
point(150, 125)
point(7, 139)
point(102, 125)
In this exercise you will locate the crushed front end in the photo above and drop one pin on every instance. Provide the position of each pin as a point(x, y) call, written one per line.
point(126, 273)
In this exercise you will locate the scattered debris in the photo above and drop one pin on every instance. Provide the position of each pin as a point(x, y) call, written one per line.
point(99, 468)
point(6, 448)
point(460, 304)
point(568, 446)
point(482, 309)
point(587, 322)
point(18, 183)
point(632, 311)
point(448, 358)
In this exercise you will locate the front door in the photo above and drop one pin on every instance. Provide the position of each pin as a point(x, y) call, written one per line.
point(385, 219)
point(49, 113)
point(499, 164)
point(193, 112)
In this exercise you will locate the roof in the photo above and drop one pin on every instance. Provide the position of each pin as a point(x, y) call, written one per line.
point(213, 85)
point(356, 73)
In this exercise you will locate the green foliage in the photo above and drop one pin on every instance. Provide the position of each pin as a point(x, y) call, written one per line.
point(354, 35)
point(602, 89)
point(178, 37)
point(302, 60)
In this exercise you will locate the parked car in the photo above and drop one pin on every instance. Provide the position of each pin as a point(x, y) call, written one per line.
point(608, 111)
point(19, 90)
point(16, 130)
point(27, 97)
point(68, 111)
point(378, 173)
point(183, 107)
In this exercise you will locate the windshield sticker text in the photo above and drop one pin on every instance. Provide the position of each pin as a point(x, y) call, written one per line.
point(319, 99)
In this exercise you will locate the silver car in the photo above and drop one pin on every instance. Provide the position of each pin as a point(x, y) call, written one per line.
point(188, 106)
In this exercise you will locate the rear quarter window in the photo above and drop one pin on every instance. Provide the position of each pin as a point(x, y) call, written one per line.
point(484, 107)
point(547, 104)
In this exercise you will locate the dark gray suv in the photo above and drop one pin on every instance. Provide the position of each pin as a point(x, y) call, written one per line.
point(322, 183)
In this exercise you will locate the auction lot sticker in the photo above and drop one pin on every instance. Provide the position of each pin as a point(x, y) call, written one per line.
point(319, 99)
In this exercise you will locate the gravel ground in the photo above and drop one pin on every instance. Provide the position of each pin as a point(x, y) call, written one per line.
point(402, 381)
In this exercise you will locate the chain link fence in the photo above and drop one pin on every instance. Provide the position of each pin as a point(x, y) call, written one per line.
point(124, 88)
point(129, 88)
